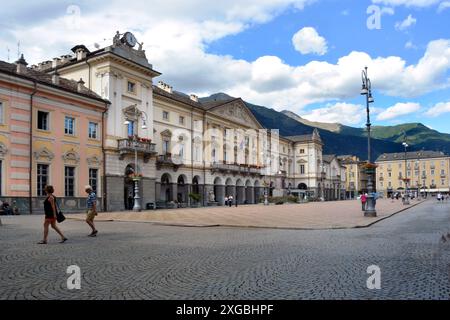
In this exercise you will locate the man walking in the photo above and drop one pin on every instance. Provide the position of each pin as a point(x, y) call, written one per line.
point(91, 209)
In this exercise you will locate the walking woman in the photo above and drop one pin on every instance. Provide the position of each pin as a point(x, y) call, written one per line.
point(50, 215)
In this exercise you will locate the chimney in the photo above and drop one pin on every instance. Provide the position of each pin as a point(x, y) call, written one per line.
point(21, 65)
point(55, 78)
point(56, 62)
point(80, 85)
point(194, 97)
point(65, 58)
point(81, 54)
point(165, 87)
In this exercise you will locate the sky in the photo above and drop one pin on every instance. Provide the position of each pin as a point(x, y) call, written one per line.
point(305, 56)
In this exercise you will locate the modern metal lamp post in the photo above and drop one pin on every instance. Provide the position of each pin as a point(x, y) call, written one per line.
point(366, 90)
point(138, 114)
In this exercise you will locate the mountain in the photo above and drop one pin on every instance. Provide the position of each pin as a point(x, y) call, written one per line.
point(341, 139)
point(334, 142)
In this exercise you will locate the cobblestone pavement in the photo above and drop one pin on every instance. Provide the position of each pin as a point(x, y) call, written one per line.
point(313, 215)
point(145, 261)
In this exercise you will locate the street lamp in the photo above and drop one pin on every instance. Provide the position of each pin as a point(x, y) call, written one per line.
point(322, 177)
point(366, 90)
point(137, 115)
point(406, 201)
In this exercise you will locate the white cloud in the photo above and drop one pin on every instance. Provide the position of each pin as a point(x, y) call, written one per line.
point(410, 45)
point(387, 10)
point(176, 43)
point(408, 3)
point(307, 40)
point(443, 6)
point(397, 110)
point(344, 113)
point(405, 24)
point(438, 109)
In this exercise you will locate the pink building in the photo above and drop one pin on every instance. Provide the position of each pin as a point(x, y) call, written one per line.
point(50, 133)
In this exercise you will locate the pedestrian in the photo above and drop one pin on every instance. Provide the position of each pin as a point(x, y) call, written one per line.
point(91, 209)
point(236, 202)
point(226, 201)
point(363, 202)
point(230, 200)
point(50, 215)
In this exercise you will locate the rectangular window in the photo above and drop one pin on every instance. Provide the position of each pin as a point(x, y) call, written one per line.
point(69, 181)
point(131, 87)
point(302, 151)
point(432, 172)
point(381, 183)
point(42, 179)
point(43, 120)
point(165, 115)
point(181, 120)
point(1, 112)
point(166, 146)
point(443, 182)
point(69, 125)
point(93, 179)
point(302, 169)
point(93, 130)
point(443, 171)
point(130, 128)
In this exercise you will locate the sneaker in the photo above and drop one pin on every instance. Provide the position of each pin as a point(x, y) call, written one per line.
point(42, 242)
point(63, 240)
point(94, 233)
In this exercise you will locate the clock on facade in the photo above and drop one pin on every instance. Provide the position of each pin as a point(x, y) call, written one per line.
point(129, 39)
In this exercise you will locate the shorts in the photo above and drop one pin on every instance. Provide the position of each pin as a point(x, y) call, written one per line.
point(90, 215)
point(50, 220)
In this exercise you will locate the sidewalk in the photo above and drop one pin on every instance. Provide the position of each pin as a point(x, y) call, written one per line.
point(314, 215)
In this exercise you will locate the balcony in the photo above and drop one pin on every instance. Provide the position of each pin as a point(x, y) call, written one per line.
point(381, 179)
point(236, 168)
point(443, 175)
point(168, 160)
point(142, 146)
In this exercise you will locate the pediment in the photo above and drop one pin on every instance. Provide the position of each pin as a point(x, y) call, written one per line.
point(237, 111)
point(71, 156)
point(44, 154)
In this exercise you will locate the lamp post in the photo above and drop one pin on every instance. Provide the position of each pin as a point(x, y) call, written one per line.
point(322, 177)
point(366, 90)
point(418, 178)
point(406, 201)
point(137, 115)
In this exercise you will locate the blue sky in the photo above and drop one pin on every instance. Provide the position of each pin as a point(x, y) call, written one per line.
point(305, 56)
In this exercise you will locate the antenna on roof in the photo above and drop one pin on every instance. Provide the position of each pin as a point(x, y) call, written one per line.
point(18, 49)
point(96, 45)
point(7, 49)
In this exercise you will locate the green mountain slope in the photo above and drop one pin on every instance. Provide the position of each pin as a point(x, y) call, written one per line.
point(341, 139)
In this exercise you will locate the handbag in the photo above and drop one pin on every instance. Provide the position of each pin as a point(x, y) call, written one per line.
point(59, 214)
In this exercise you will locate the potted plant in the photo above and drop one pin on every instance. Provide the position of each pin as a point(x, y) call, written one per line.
point(195, 199)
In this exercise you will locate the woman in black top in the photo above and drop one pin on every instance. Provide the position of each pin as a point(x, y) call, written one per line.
point(50, 215)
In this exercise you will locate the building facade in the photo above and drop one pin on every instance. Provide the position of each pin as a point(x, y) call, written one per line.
point(50, 133)
point(425, 172)
point(183, 150)
point(356, 177)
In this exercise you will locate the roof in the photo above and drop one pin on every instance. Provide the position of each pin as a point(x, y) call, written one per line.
point(177, 96)
point(46, 79)
point(328, 157)
point(413, 155)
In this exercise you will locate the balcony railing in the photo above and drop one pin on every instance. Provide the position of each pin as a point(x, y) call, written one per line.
point(168, 160)
point(236, 168)
point(129, 146)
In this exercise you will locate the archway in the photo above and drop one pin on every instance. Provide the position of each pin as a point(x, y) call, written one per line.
point(258, 193)
point(302, 186)
point(249, 193)
point(166, 193)
point(129, 192)
point(182, 189)
point(240, 191)
point(219, 191)
point(230, 189)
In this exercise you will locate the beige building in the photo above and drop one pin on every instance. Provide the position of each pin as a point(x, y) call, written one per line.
point(356, 177)
point(427, 171)
point(183, 150)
